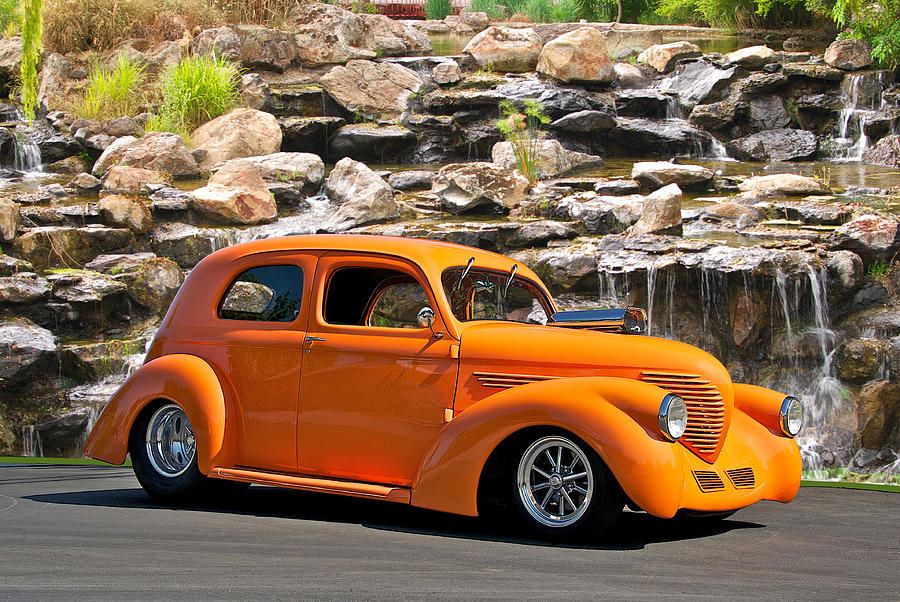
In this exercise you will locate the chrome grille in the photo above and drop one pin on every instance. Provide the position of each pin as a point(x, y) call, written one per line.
point(742, 478)
point(708, 480)
point(705, 407)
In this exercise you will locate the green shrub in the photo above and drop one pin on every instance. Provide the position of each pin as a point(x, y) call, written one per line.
point(32, 47)
point(112, 91)
point(564, 11)
point(438, 9)
point(9, 17)
point(198, 89)
point(523, 130)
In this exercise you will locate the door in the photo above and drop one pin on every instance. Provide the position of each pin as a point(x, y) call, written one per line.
point(374, 383)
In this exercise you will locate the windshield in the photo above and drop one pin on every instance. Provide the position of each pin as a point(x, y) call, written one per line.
point(483, 295)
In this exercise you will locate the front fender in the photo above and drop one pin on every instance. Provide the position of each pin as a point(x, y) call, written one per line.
point(183, 379)
point(612, 415)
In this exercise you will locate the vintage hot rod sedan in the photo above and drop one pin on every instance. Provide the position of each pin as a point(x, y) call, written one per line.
point(440, 376)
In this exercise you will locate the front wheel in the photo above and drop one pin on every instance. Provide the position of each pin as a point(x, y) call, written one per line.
point(564, 490)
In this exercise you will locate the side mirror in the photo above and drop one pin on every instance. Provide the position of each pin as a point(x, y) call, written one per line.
point(425, 318)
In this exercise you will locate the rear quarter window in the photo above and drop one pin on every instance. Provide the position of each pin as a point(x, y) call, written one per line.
point(270, 293)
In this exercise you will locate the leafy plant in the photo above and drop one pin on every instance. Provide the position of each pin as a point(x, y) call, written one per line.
point(31, 26)
point(9, 17)
point(874, 22)
point(878, 268)
point(199, 88)
point(112, 91)
point(523, 131)
point(438, 9)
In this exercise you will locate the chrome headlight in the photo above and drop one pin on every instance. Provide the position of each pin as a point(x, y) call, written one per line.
point(673, 416)
point(791, 416)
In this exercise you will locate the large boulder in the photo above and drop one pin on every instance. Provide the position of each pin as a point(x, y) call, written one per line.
point(10, 217)
point(121, 211)
point(698, 82)
point(252, 46)
point(238, 133)
point(849, 54)
point(27, 352)
point(664, 57)
point(752, 57)
point(155, 284)
point(463, 187)
point(784, 184)
point(857, 360)
point(661, 213)
point(23, 288)
point(584, 122)
point(369, 142)
point(376, 90)
point(113, 154)
point(304, 170)
point(396, 38)
point(133, 181)
point(364, 197)
point(54, 81)
point(309, 134)
point(236, 194)
point(775, 145)
point(656, 174)
point(630, 76)
point(878, 414)
point(10, 60)
point(636, 136)
point(68, 247)
point(505, 49)
point(870, 236)
point(160, 151)
point(886, 152)
point(552, 159)
point(577, 57)
point(327, 34)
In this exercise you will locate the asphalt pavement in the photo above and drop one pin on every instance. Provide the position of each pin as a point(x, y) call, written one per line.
point(89, 532)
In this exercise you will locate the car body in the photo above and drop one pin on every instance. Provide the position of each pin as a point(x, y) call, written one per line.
point(413, 371)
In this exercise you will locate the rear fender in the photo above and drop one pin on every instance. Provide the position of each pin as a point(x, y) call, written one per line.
point(183, 379)
point(617, 417)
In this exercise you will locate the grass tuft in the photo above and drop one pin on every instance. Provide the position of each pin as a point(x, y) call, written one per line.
point(112, 91)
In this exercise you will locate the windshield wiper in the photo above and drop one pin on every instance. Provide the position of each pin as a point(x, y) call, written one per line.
point(463, 275)
point(512, 274)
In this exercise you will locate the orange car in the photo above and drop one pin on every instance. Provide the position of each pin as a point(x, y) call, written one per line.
point(440, 376)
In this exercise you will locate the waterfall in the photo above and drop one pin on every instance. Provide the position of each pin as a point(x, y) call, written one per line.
point(862, 100)
point(26, 152)
point(31, 442)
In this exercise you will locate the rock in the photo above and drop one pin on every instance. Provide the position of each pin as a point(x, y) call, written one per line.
point(23, 288)
point(127, 126)
point(13, 265)
point(84, 287)
point(10, 217)
point(878, 415)
point(571, 268)
point(663, 57)
point(446, 72)
point(309, 134)
point(760, 83)
point(376, 90)
point(84, 184)
point(552, 158)
point(557, 100)
point(538, 234)
point(477, 20)
point(752, 57)
point(870, 236)
point(577, 57)
point(90, 361)
point(717, 115)
point(857, 360)
point(326, 34)
point(236, 194)
point(396, 38)
point(849, 54)
point(116, 264)
point(584, 122)
point(812, 71)
point(735, 211)
point(156, 283)
point(846, 269)
point(238, 133)
point(463, 187)
point(657, 174)
point(54, 80)
point(69, 165)
point(698, 82)
point(661, 213)
point(775, 145)
point(414, 179)
point(785, 184)
point(27, 352)
point(186, 245)
point(160, 151)
point(635, 137)
point(886, 152)
point(601, 214)
point(629, 76)
point(768, 113)
point(646, 103)
point(505, 49)
point(132, 181)
point(364, 197)
point(368, 142)
point(125, 212)
point(252, 46)
point(255, 92)
point(10, 60)
point(616, 187)
point(303, 170)
point(869, 295)
point(68, 247)
point(112, 155)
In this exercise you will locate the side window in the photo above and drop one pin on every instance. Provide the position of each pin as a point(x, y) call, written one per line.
point(269, 293)
point(373, 297)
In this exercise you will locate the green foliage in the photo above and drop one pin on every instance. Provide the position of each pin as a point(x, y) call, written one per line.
point(876, 23)
point(31, 26)
point(737, 13)
point(438, 9)
point(523, 131)
point(198, 89)
point(112, 91)
point(878, 268)
point(9, 17)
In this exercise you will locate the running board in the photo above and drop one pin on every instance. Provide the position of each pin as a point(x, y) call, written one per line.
point(355, 489)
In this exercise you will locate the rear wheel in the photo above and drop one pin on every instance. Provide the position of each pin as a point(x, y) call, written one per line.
point(564, 490)
point(164, 458)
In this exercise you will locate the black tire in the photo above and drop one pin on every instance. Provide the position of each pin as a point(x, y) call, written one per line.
point(563, 490)
point(164, 459)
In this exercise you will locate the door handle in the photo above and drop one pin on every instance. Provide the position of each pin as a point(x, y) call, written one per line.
point(310, 340)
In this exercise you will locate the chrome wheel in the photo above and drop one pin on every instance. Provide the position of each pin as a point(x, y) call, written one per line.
point(555, 481)
point(170, 441)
